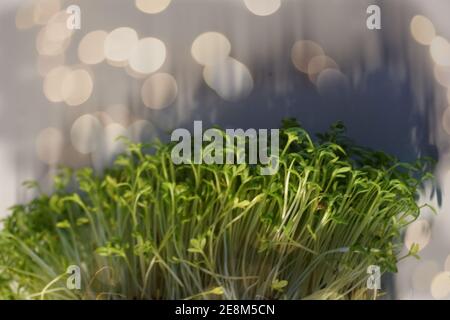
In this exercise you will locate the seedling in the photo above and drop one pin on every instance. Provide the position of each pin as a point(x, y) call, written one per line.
point(147, 228)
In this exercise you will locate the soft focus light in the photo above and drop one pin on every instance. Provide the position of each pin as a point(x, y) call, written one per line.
point(440, 51)
point(49, 144)
point(423, 275)
point(231, 79)
point(55, 37)
point(77, 87)
point(318, 64)
point(152, 6)
point(109, 146)
point(210, 48)
point(418, 232)
point(53, 81)
point(119, 113)
point(48, 47)
point(302, 52)
point(119, 44)
point(159, 91)
point(47, 63)
point(263, 7)
point(56, 30)
point(141, 131)
point(85, 133)
point(91, 47)
point(422, 30)
point(332, 82)
point(442, 75)
point(44, 10)
point(440, 287)
point(148, 55)
point(114, 145)
point(103, 117)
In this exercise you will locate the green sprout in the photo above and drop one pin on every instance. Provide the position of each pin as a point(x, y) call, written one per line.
point(149, 229)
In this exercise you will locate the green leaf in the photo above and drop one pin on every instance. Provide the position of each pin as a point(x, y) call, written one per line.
point(65, 224)
point(110, 252)
point(218, 291)
point(197, 245)
point(82, 221)
point(278, 285)
point(414, 250)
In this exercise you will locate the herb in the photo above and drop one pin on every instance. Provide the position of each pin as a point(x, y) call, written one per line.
point(149, 229)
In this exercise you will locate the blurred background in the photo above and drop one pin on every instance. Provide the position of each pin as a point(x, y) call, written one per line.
point(142, 68)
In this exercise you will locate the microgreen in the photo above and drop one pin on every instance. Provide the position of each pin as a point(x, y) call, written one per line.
point(146, 228)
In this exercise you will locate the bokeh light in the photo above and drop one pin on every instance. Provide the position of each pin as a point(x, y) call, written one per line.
point(418, 232)
point(319, 63)
point(440, 51)
point(442, 75)
point(53, 81)
point(119, 44)
point(263, 7)
point(141, 130)
point(49, 145)
point(48, 47)
point(147, 56)
point(303, 51)
point(422, 30)
point(440, 286)
point(91, 47)
point(109, 145)
point(119, 113)
point(113, 145)
point(159, 91)
point(77, 87)
point(210, 48)
point(230, 79)
point(423, 275)
point(332, 82)
point(103, 117)
point(44, 10)
point(152, 6)
point(85, 133)
point(56, 29)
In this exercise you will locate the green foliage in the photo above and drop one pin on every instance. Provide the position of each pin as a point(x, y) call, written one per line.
point(149, 229)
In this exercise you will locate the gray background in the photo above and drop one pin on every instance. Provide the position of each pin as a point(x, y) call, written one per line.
point(392, 103)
